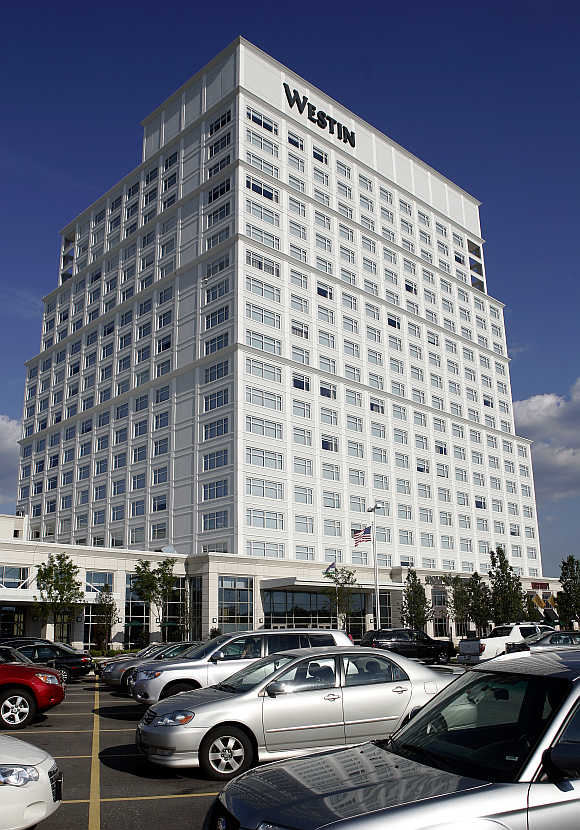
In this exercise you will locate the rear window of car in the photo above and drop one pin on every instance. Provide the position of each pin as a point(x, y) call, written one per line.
point(321, 639)
point(501, 631)
point(281, 642)
point(528, 630)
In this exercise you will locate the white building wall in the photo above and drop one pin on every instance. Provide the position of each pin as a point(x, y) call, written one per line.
point(171, 258)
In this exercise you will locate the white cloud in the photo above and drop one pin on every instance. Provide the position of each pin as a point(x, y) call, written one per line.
point(553, 423)
point(9, 435)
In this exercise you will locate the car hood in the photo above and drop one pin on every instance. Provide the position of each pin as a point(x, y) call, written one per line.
point(195, 699)
point(310, 792)
point(14, 751)
point(175, 663)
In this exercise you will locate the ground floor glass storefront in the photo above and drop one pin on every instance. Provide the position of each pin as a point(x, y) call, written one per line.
point(11, 621)
point(311, 609)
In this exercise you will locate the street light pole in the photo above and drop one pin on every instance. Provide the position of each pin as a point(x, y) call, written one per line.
point(373, 510)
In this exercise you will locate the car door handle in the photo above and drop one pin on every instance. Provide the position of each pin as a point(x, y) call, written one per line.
point(398, 690)
point(331, 697)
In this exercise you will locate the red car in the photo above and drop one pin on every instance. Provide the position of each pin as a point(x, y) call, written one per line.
point(25, 689)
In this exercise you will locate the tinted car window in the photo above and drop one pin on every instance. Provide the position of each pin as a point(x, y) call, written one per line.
point(365, 670)
point(501, 631)
point(243, 648)
point(527, 630)
point(281, 642)
point(28, 651)
point(571, 733)
point(46, 652)
point(321, 639)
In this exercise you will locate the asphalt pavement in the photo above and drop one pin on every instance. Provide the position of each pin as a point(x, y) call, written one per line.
point(107, 784)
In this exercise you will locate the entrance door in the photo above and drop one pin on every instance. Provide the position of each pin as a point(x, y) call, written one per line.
point(309, 711)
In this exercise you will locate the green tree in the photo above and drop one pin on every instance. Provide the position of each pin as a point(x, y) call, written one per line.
point(507, 596)
point(415, 608)
point(458, 599)
point(565, 609)
point(479, 602)
point(105, 611)
point(60, 591)
point(344, 580)
point(569, 596)
point(532, 612)
point(156, 586)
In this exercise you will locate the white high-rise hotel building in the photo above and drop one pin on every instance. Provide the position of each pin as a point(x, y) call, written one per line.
point(278, 320)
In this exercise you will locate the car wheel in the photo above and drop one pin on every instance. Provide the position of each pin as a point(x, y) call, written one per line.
point(225, 752)
point(64, 673)
point(443, 658)
point(17, 708)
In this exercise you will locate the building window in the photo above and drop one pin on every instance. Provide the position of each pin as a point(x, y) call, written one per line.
point(235, 603)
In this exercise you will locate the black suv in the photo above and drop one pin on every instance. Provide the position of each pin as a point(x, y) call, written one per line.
point(70, 663)
point(410, 642)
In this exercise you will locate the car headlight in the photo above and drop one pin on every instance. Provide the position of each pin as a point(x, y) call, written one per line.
point(47, 678)
point(17, 776)
point(178, 718)
point(150, 675)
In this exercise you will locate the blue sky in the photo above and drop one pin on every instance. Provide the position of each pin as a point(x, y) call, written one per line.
point(485, 93)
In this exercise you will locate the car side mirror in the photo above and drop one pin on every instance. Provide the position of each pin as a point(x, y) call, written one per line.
point(217, 656)
point(275, 688)
point(562, 760)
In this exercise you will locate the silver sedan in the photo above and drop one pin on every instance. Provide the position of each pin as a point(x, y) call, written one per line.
point(290, 703)
point(498, 749)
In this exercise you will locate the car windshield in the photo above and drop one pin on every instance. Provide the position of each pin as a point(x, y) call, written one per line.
point(255, 674)
point(175, 649)
point(10, 655)
point(200, 651)
point(485, 725)
point(501, 631)
point(68, 649)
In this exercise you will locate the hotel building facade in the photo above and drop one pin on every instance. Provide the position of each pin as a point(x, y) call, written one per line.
point(279, 320)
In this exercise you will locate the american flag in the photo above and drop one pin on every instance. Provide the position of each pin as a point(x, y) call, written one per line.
point(363, 535)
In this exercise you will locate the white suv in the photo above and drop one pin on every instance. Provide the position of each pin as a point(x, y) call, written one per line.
point(502, 635)
point(211, 662)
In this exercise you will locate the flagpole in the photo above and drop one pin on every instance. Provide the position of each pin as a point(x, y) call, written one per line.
point(376, 564)
point(373, 510)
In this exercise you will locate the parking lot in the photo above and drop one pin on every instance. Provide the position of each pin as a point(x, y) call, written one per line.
point(106, 783)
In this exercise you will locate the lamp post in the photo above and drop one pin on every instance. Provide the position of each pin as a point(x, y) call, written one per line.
point(373, 510)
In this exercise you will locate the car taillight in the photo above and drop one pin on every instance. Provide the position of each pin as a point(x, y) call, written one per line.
point(481, 648)
point(373, 645)
point(85, 659)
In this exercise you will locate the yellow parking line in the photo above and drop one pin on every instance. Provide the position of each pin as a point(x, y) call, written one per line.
point(71, 731)
point(159, 797)
point(64, 757)
point(95, 790)
point(109, 755)
point(140, 798)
